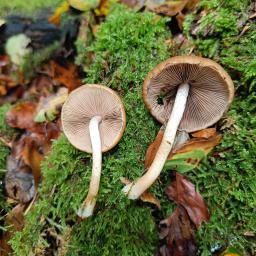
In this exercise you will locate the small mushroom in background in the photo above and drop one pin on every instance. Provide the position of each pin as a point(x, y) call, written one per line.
point(93, 119)
point(188, 93)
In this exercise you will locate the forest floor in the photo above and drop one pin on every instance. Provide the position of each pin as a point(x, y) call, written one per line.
point(117, 46)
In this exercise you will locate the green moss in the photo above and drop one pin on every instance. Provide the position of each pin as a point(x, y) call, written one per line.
point(5, 129)
point(228, 184)
point(4, 151)
point(26, 7)
point(129, 45)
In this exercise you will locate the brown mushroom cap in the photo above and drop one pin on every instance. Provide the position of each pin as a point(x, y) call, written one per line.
point(211, 91)
point(86, 102)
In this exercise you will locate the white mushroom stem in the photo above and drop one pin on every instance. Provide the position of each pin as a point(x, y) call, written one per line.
point(136, 189)
point(88, 205)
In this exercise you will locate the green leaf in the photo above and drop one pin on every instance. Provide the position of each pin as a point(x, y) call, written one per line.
point(184, 162)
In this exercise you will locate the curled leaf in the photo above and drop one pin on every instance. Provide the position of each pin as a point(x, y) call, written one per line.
point(183, 193)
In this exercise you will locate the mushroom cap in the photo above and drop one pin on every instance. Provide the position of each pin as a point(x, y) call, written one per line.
point(86, 102)
point(210, 94)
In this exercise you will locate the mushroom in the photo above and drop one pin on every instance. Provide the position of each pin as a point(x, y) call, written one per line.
point(188, 93)
point(93, 120)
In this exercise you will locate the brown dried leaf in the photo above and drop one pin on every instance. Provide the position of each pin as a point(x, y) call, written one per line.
point(168, 8)
point(205, 133)
point(150, 198)
point(200, 143)
point(183, 193)
point(21, 116)
point(67, 76)
point(27, 149)
point(19, 181)
point(23, 165)
point(41, 86)
point(152, 149)
point(134, 4)
point(206, 145)
point(15, 222)
point(178, 232)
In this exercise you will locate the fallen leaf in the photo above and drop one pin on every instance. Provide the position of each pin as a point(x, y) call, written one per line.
point(187, 156)
point(27, 149)
point(134, 4)
point(67, 76)
point(145, 197)
point(183, 193)
point(41, 85)
point(103, 8)
point(230, 251)
point(62, 8)
point(19, 180)
point(205, 133)
point(7, 80)
point(179, 235)
point(48, 108)
point(14, 221)
point(152, 149)
point(203, 144)
point(184, 162)
point(168, 8)
point(21, 116)
point(249, 233)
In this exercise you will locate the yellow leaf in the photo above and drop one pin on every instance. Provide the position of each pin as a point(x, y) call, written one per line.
point(62, 8)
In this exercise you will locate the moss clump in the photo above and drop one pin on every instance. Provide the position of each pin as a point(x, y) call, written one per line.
point(26, 7)
point(127, 46)
point(4, 151)
point(5, 129)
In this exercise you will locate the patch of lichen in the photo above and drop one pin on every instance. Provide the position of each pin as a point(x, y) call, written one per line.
point(127, 46)
point(228, 182)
